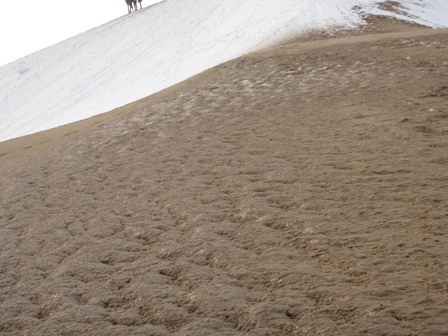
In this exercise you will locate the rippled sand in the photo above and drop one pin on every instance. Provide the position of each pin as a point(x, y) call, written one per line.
point(301, 190)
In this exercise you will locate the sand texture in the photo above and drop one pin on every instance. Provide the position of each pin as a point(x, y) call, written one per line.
point(300, 190)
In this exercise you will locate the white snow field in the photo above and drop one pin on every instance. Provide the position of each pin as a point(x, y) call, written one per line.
point(146, 51)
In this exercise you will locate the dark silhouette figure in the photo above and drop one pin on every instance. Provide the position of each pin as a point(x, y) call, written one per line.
point(132, 5)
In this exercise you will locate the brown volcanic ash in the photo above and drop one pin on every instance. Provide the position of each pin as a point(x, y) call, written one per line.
point(298, 190)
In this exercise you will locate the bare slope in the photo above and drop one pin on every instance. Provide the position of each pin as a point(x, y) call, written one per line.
point(299, 190)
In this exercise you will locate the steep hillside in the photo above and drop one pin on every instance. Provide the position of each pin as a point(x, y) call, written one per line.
point(298, 190)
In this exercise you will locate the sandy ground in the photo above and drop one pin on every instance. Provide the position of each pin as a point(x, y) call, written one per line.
point(301, 190)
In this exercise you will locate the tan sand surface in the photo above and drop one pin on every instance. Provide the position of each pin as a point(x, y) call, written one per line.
point(300, 190)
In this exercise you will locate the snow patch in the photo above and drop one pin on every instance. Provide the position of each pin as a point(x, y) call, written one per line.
point(146, 51)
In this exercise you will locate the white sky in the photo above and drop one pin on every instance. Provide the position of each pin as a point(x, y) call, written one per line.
point(27, 26)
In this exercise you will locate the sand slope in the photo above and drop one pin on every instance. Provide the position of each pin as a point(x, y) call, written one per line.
point(302, 190)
